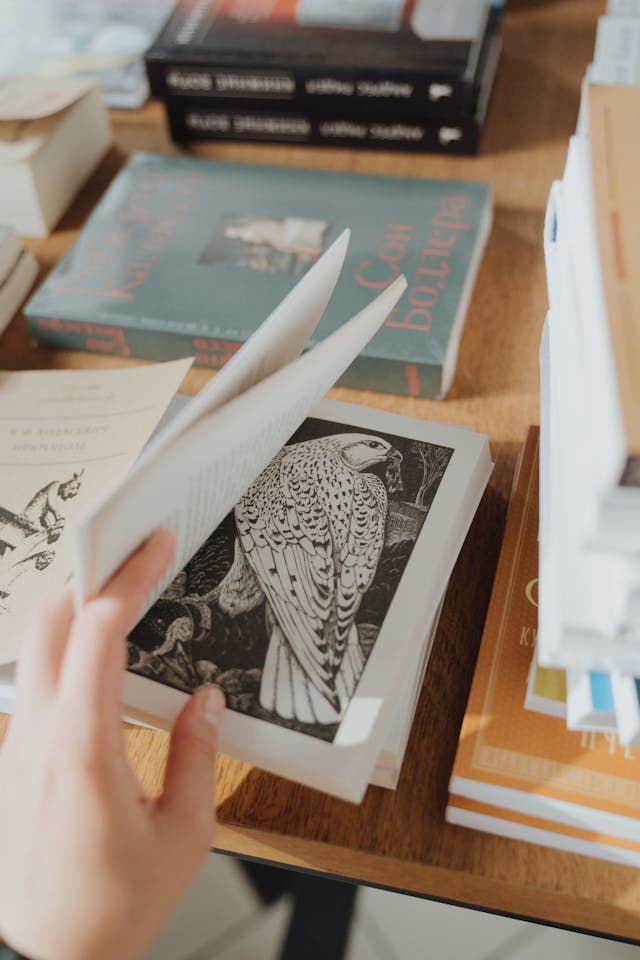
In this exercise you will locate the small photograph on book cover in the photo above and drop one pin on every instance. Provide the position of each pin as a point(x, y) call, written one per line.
point(274, 244)
point(282, 605)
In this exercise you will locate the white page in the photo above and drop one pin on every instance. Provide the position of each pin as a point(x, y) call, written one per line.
point(396, 740)
point(32, 98)
point(627, 707)
point(595, 586)
point(276, 342)
point(601, 605)
point(189, 485)
point(547, 638)
point(344, 765)
point(616, 56)
point(623, 8)
point(601, 403)
point(66, 437)
point(569, 581)
point(392, 753)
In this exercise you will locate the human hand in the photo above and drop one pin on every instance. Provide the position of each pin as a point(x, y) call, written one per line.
point(90, 866)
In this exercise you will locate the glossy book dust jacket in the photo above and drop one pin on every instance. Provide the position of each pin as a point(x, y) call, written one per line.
point(184, 257)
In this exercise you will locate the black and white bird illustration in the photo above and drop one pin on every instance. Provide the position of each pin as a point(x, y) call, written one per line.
point(310, 531)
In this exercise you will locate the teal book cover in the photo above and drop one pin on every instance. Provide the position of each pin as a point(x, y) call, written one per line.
point(186, 257)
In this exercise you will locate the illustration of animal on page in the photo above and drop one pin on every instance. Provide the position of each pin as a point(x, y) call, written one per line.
point(282, 605)
point(28, 536)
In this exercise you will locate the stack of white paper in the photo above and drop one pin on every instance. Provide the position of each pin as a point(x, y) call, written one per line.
point(589, 603)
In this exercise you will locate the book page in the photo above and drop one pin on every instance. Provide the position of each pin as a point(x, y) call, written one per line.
point(32, 98)
point(276, 342)
point(614, 130)
point(190, 485)
point(309, 604)
point(65, 437)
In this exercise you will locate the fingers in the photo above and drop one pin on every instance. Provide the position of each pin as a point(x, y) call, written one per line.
point(41, 655)
point(185, 808)
point(121, 600)
point(92, 670)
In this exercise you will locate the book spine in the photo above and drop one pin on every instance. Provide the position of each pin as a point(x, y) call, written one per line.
point(189, 120)
point(366, 373)
point(332, 90)
point(120, 341)
point(394, 376)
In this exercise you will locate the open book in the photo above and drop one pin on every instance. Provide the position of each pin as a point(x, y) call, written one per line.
point(278, 601)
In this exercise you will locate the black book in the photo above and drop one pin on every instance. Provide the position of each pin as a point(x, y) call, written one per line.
point(402, 58)
point(192, 120)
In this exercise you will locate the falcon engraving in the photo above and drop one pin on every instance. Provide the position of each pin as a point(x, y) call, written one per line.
point(310, 531)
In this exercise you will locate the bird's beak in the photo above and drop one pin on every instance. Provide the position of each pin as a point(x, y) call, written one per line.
point(394, 454)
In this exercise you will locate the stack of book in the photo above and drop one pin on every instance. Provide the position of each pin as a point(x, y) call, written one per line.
point(521, 773)
point(591, 596)
point(546, 748)
point(590, 407)
point(394, 74)
point(18, 270)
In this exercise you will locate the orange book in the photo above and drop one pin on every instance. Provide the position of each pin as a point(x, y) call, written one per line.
point(548, 833)
point(516, 759)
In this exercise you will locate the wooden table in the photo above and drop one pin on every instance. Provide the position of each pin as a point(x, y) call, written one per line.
point(399, 839)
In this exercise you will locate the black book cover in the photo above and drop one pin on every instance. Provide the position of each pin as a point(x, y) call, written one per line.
point(382, 56)
point(191, 120)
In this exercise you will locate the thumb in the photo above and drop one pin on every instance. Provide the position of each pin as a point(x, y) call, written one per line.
point(186, 804)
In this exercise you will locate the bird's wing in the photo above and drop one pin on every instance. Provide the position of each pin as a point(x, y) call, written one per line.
point(361, 551)
point(286, 536)
point(239, 591)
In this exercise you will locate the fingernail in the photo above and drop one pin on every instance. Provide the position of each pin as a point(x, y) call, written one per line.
point(214, 706)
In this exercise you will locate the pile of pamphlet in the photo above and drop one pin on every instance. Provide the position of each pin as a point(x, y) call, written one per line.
point(589, 588)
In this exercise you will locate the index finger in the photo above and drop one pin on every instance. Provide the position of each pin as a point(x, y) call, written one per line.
point(41, 655)
point(95, 657)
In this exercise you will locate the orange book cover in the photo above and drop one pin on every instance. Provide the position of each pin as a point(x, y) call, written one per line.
point(614, 134)
point(518, 759)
